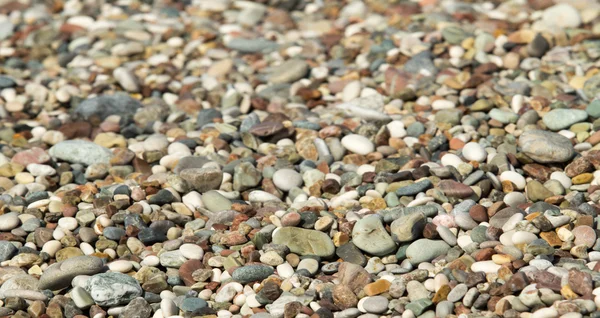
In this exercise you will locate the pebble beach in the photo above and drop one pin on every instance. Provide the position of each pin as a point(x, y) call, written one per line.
point(300, 158)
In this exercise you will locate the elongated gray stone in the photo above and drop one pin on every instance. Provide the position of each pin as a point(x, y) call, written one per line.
point(80, 151)
point(59, 275)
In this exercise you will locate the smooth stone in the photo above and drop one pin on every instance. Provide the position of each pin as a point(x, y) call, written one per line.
point(81, 298)
point(191, 251)
point(358, 144)
point(375, 304)
point(414, 188)
point(305, 242)
point(562, 15)
point(289, 71)
point(192, 304)
point(370, 236)
point(425, 250)
point(251, 45)
point(287, 179)
point(9, 221)
point(250, 273)
point(408, 227)
point(59, 275)
point(80, 151)
point(215, 201)
point(546, 147)
point(562, 118)
point(513, 177)
point(121, 266)
point(473, 151)
point(106, 105)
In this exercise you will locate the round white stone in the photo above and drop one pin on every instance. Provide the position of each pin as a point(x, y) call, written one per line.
point(442, 104)
point(485, 266)
point(511, 223)
point(287, 179)
point(150, 260)
point(86, 248)
point(473, 151)
point(191, 251)
point(396, 129)
point(262, 196)
point(37, 169)
point(523, 237)
point(156, 142)
point(513, 177)
point(513, 199)
point(68, 223)
point(451, 159)
point(168, 307)
point(285, 270)
point(562, 178)
point(51, 247)
point(121, 266)
point(351, 91)
point(549, 312)
point(562, 15)
point(358, 144)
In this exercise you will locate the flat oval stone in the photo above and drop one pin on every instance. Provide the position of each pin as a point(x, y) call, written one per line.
point(370, 236)
point(305, 242)
point(80, 151)
point(358, 144)
point(59, 275)
point(251, 273)
point(546, 147)
point(562, 118)
point(425, 250)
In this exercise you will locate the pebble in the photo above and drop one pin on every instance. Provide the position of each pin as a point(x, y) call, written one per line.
point(358, 144)
point(298, 159)
point(287, 179)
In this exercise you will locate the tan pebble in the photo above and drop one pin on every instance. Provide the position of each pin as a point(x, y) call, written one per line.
point(24, 178)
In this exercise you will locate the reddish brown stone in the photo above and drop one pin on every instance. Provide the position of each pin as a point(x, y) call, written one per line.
point(516, 283)
point(495, 207)
point(584, 235)
point(484, 254)
point(233, 238)
point(545, 279)
point(479, 213)
point(354, 276)
point(140, 165)
point(455, 189)
point(396, 80)
point(430, 231)
point(186, 270)
point(538, 172)
point(581, 282)
point(33, 155)
point(343, 297)
point(593, 156)
point(578, 166)
point(79, 129)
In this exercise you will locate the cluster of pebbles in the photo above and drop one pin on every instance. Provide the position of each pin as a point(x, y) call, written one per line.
point(295, 158)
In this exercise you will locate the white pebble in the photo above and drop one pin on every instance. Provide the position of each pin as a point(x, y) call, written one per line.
point(451, 159)
point(191, 251)
point(513, 177)
point(473, 151)
point(358, 144)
